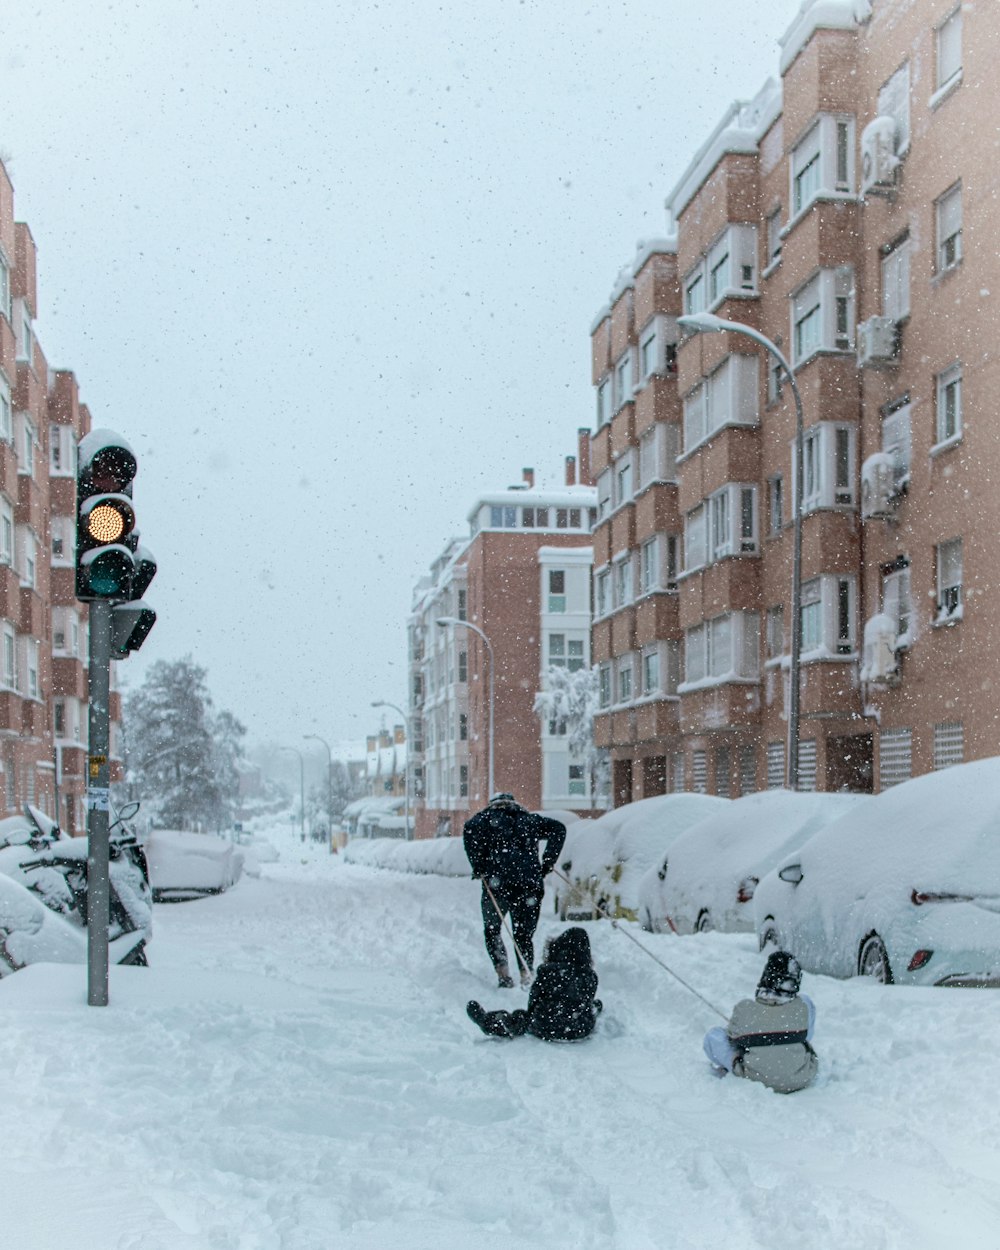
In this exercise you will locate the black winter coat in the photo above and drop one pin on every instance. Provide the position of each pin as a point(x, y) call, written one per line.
point(561, 1003)
point(502, 841)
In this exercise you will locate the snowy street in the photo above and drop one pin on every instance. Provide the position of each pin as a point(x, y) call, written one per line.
point(295, 1071)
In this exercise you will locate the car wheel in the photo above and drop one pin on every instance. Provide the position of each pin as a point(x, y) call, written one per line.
point(704, 924)
point(874, 960)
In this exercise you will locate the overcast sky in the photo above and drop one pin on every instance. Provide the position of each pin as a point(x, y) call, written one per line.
point(331, 268)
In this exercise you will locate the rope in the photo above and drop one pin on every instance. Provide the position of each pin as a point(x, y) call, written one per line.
point(503, 920)
point(632, 938)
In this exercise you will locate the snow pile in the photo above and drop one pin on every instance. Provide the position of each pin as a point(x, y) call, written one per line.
point(444, 856)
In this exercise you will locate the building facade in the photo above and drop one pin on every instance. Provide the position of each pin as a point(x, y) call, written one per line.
point(43, 678)
point(847, 215)
point(522, 579)
point(385, 763)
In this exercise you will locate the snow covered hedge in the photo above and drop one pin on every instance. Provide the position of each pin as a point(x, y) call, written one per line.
point(444, 856)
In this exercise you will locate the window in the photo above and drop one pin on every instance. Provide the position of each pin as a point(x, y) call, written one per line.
point(604, 685)
point(532, 518)
point(604, 493)
point(823, 314)
point(775, 505)
point(623, 380)
point(463, 666)
point(577, 780)
point(463, 727)
point(827, 466)
point(732, 521)
point(601, 596)
point(949, 745)
point(647, 353)
point(948, 226)
point(748, 770)
point(896, 602)
point(949, 581)
point(896, 280)
point(624, 666)
point(29, 557)
point(658, 449)
point(894, 102)
point(673, 552)
point(695, 534)
point(649, 566)
point(896, 439)
point(569, 518)
point(895, 757)
point(699, 772)
point(4, 286)
point(565, 653)
point(949, 49)
point(722, 649)
point(462, 608)
point(623, 480)
point(503, 517)
point(828, 615)
point(59, 718)
point(651, 672)
point(557, 590)
point(31, 665)
point(603, 402)
point(27, 464)
point(949, 405)
point(463, 781)
point(822, 163)
point(773, 238)
point(557, 728)
point(731, 264)
point(622, 586)
point(775, 629)
point(26, 337)
point(658, 347)
point(6, 424)
point(9, 656)
point(723, 772)
point(6, 531)
point(694, 290)
point(728, 396)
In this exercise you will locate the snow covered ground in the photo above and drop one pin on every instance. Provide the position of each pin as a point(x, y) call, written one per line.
point(296, 1072)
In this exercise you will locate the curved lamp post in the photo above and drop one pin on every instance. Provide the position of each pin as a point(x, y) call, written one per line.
point(406, 775)
point(443, 622)
point(329, 782)
point(302, 789)
point(705, 323)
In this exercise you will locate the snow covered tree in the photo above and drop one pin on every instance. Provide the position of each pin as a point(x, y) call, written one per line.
point(572, 697)
point(183, 759)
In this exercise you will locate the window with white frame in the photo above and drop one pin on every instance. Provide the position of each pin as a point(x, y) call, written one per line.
point(725, 648)
point(775, 504)
point(622, 480)
point(26, 460)
point(948, 425)
point(672, 548)
point(896, 602)
point(29, 557)
point(604, 685)
point(828, 616)
point(4, 285)
point(728, 396)
point(694, 290)
point(503, 517)
point(624, 674)
point(822, 163)
point(949, 580)
point(895, 757)
point(32, 688)
point(25, 335)
point(775, 379)
point(566, 652)
point(622, 581)
point(731, 264)
point(894, 102)
point(896, 439)
point(9, 656)
point(603, 402)
point(775, 631)
point(557, 590)
point(603, 493)
point(623, 380)
point(649, 565)
point(6, 418)
point(773, 238)
point(949, 744)
point(658, 451)
point(661, 668)
point(695, 539)
point(896, 280)
point(602, 596)
point(823, 314)
point(577, 780)
point(827, 466)
point(732, 521)
point(6, 531)
point(657, 347)
point(948, 227)
point(569, 518)
point(949, 49)
point(651, 671)
point(535, 518)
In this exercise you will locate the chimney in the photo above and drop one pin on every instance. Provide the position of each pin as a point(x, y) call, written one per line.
point(571, 470)
point(398, 734)
point(583, 457)
point(528, 477)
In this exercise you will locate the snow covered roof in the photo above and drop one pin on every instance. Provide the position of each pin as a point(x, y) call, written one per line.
point(820, 15)
point(644, 249)
point(555, 497)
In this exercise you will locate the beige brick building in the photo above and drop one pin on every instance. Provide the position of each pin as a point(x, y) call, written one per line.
point(43, 648)
point(850, 213)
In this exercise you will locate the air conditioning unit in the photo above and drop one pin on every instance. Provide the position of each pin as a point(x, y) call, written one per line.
point(878, 156)
point(878, 486)
point(877, 342)
point(879, 660)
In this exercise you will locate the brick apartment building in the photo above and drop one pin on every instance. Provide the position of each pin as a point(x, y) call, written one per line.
point(522, 576)
point(43, 678)
point(849, 213)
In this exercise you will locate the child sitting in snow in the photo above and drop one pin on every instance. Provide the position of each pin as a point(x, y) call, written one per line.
point(561, 1005)
point(767, 1037)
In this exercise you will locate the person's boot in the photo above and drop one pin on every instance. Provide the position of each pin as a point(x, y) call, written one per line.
point(504, 980)
point(476, 1013)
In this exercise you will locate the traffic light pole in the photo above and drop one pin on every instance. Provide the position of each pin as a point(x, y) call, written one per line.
point(98, 807)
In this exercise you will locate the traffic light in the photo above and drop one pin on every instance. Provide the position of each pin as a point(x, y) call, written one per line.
point(105, 518)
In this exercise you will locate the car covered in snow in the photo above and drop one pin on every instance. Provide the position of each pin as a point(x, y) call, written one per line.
point(609, 859)
point(904, 888)
point(714, 867)
point(185, 865)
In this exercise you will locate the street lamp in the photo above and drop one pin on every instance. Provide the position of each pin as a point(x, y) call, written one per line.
point(406, 775)
point(302, 789)
point(443, 622)
point(704, 323)
point(329, 784)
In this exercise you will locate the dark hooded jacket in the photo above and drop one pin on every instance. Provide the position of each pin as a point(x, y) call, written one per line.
point(561, 1004)
point(502, 841)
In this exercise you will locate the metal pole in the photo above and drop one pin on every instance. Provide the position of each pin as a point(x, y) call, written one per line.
point(98, 784)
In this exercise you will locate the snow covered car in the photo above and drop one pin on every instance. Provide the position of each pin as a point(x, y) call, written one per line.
point(610, 858)
point(715, 866)
point(904, 888)
point(571, 882)
point(186, 865)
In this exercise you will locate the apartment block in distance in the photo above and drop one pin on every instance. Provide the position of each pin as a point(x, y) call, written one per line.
point(43, 675)
point(522, 577)
point(849, 214)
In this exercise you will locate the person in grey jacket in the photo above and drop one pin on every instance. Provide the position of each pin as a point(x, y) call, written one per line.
point(768, 1036)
